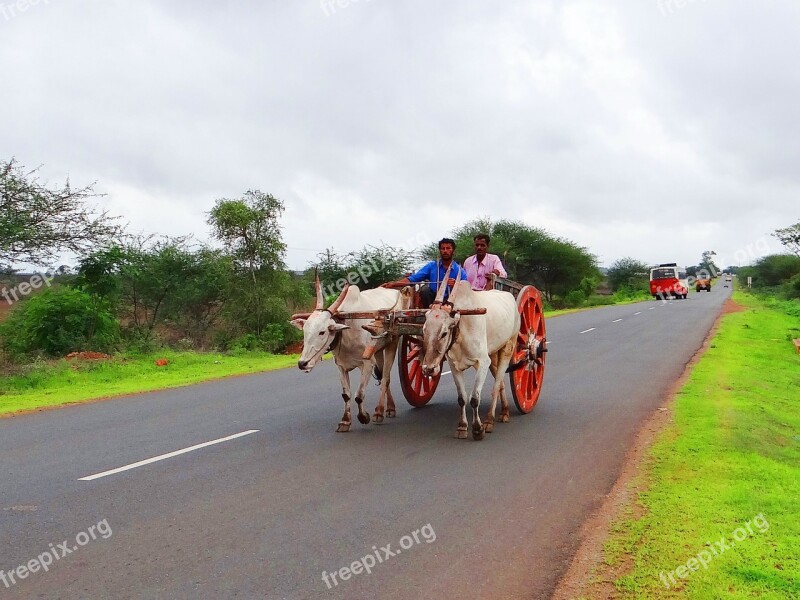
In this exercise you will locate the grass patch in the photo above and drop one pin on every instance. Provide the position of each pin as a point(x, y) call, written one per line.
point(54, 383)
point(728, 468)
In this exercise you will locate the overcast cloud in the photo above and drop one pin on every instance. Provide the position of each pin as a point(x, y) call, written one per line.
point(644, 128)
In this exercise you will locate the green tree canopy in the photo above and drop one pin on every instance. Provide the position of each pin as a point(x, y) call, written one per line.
point(772, 270)
point(249, 228)
point(790, 237)
point(629, 273)
point(38, 222)
point(531, 255)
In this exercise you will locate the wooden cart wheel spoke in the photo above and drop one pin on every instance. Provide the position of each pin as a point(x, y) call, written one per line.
point(417, 389)
point(413, 370)
point(526, 384)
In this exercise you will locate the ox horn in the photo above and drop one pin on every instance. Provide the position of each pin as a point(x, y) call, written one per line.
point(458, 278)
point(334, 308)
point(440, 291)
point(318, 287)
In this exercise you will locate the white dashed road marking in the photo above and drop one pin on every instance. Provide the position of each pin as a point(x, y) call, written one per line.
point(147, 461)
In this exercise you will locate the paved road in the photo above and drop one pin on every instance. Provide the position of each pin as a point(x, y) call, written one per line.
point(264, 515)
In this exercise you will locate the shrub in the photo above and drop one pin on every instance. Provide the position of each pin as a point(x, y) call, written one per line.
point(791, 289)
point(275, 338)
point(596, 300)
point(575, 298)
point(56, 322)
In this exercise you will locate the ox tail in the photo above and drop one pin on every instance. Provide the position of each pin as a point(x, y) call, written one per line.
point(377, 372)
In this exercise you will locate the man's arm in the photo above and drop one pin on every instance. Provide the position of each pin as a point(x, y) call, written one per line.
point(451, 281)
point(420, 275)
point(498, 267)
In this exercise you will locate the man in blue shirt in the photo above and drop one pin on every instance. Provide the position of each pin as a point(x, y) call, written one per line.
point(434, 273)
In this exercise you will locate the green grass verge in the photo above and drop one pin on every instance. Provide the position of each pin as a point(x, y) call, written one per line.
point(55, 383)
point(727, 469)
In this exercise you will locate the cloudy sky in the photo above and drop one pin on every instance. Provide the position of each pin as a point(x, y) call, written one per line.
point(655, 129)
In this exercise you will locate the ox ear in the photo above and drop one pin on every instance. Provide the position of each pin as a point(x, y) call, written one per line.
point(334, 327)
point(299, 323)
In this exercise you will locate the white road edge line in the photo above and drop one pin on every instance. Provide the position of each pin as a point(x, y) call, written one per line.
point(147, 461)
point(637, 313)
point(588, 330)
point(651, 308)
point(616, 321)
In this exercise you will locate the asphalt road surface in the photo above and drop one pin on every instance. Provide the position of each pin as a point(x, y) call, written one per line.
point(291, 509)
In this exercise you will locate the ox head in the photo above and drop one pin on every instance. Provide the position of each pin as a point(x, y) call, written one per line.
point(319, 329)
point(439, 330)
point(438, 334)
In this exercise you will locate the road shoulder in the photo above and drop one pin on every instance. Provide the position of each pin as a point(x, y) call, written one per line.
point(587, 575)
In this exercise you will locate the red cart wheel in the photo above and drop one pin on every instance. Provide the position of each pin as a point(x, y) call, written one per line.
point(417, 388)
point(526, 380)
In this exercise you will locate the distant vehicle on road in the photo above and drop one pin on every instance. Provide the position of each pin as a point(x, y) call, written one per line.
point(668, 279)
point(702, 284)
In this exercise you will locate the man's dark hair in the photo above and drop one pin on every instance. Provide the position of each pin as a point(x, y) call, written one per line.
point(447, 241)
point(482, 236)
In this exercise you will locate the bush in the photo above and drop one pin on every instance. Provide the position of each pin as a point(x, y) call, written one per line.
point(596, 300)
point(56, 322)
point(791, 289)
point(275, 338)
point(574, 299)
point(627, 293)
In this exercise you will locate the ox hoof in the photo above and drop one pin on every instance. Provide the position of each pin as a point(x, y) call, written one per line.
point(478, 432)
point(461, 434)
point(343, 427)
point(391, 413)
point(377, 418)
point(363, 418)
point(504, 419)
point(488, 427)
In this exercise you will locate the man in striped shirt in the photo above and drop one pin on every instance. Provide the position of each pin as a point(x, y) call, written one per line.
point(481, 264)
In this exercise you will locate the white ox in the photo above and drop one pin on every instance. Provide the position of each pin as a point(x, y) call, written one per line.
point(481, 341)
point(322, 331)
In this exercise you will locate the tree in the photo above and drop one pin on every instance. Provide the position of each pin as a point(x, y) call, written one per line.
point(137, 280)
point(368, 268)
point(37, 223)
point(530, 254)
point(629, 273)
point(790, 237)
point(249, 228)
point(707, 268)
point(772, 270)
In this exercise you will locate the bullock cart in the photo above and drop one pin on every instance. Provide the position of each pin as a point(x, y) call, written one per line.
point(527, 363)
